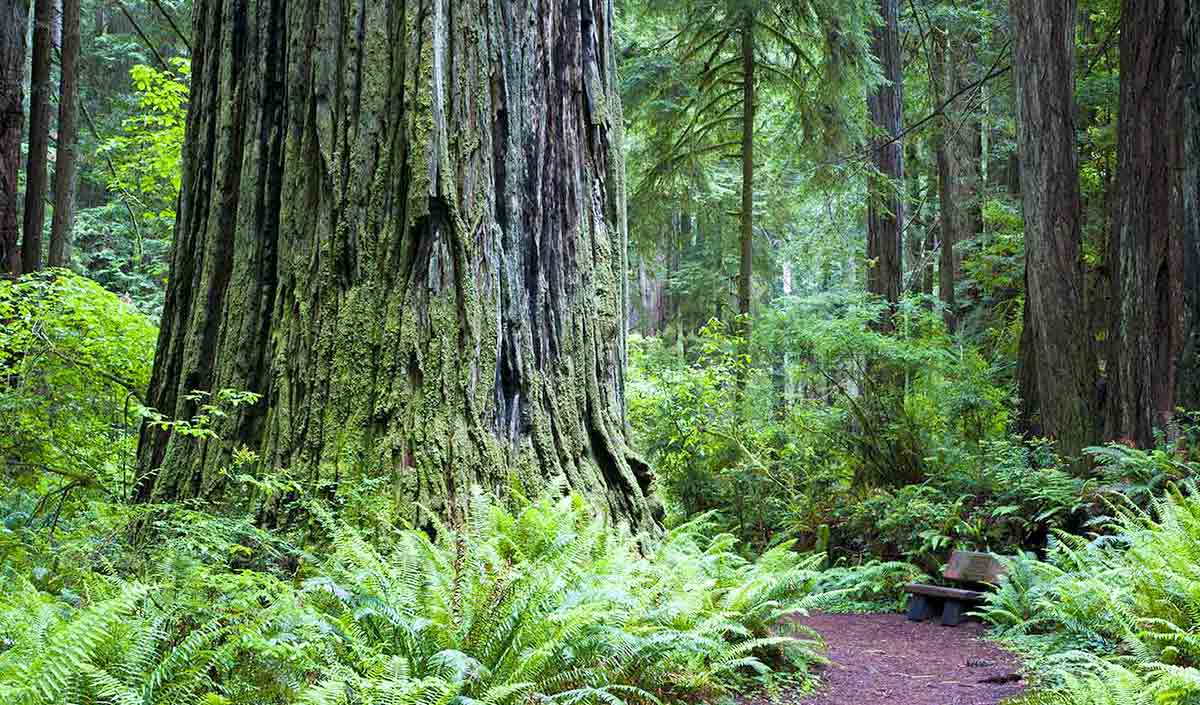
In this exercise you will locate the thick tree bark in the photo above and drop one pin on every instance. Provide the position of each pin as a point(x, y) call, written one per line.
point(1147, 255)
point(39, 137)
point(63, 222)
point(1055, 364)
point(403, 223)
point(14, 20)
point(1188, 395)
point(747, 237)
point(885, 210)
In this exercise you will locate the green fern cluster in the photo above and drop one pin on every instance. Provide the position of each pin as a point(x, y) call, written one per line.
point(546, 602)
point(550, 604)
point(873, 586)
point(1115, 619)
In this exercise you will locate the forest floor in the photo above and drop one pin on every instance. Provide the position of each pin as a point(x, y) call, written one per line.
point(884, 658)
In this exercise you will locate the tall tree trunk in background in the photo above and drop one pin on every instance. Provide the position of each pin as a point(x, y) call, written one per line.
point(14, 20)
point(958, 143)
point(747, 240)
point(1147, 257)
point(39, 137)
point(948, 216)
point(404, 225)
point(965, 143)
point(1188, 395)
point(885, 210)
point(64, 164)
point(1055, 366)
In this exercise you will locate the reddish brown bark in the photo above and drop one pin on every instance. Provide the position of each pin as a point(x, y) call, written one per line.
point(39, 137)
point(64, 162)
point(14, 20)
point(885, 210)
point(1056, 370)
point(1188, 395)
point(1146, 246)
point(746, 267)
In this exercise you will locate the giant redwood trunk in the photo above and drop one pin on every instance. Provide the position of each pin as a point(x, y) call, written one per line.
point(885, 210)
point(1056, 370)
point(14, 20)
point(402, 222)
point(1147, 257)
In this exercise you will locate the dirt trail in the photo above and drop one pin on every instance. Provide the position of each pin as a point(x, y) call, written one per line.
point(884, 658)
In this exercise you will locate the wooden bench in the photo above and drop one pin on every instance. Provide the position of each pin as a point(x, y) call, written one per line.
point(970, 568)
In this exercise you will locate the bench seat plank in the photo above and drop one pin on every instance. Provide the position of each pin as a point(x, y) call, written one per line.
point(948, 593)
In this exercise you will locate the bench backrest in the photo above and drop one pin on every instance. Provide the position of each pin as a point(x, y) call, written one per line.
point(973, 567)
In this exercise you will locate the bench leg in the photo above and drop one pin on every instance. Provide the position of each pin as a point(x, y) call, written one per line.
point(919, 608)
point(952, 613)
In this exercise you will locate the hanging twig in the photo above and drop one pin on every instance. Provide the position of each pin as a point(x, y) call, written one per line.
point(171, 22)
point(124, 384)
point(145, 40)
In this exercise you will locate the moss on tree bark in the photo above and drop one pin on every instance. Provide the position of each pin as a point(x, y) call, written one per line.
point(403, 224)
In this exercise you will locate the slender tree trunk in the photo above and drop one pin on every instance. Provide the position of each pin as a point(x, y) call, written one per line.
point(928, 249)
point(14, 20)
point(948, 212)
point(39, 137)
point(959, 149)
point(885, 210)
point(1055, 367)
point(64, 164)
point(404, 225)
point(747, 239)
point(1188, 395)
point(1147, 258)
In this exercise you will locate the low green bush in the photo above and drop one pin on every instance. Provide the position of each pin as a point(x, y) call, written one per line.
point(873, 586)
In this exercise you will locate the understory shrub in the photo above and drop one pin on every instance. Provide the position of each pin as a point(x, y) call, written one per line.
point(873, 586)
point(1114, 618)
point(108, 602)
point(74, 360)
point(900, 444)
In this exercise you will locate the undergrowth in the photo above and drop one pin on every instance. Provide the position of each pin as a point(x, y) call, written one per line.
point(108, 602)
point(1114, 618)
point(545, 602)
